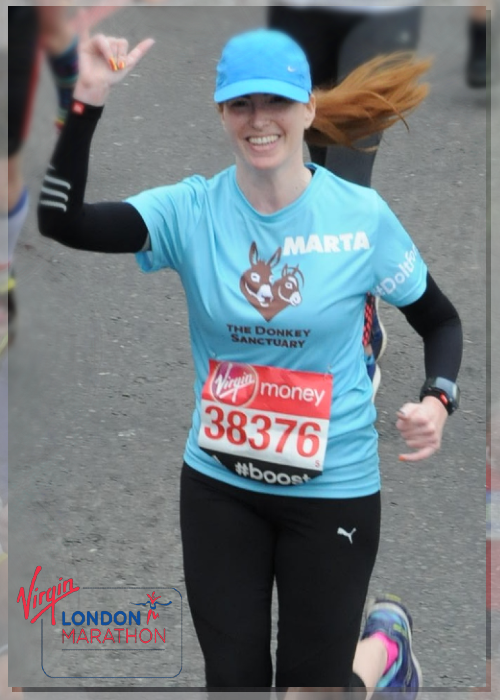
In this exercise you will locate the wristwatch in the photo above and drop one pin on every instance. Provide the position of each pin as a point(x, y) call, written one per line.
point(443, 389)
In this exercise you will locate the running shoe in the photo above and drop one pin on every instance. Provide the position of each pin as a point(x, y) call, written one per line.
point(374, 373)
point(378, 337)
point(387, 614)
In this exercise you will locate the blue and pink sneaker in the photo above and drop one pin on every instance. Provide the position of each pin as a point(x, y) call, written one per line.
point(386, 614)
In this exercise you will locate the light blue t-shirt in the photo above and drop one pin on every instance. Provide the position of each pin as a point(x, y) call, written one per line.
point(284, 290)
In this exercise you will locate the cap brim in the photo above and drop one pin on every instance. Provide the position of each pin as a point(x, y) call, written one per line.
point(264, 86)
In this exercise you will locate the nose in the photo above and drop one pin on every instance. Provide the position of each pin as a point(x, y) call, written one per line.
point(265, 292)
point(259, 117)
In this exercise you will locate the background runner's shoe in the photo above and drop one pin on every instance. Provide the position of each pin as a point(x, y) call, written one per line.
point(386, 614)
point(378, 337)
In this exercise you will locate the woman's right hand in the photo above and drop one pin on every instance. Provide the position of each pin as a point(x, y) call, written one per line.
point(103, 62)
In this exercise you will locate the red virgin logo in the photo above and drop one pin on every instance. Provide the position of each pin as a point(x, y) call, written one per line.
point(234, 383)
point(41, 601)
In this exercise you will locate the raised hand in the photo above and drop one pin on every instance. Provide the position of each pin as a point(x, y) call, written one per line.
point(421, 427)
point(103, 62)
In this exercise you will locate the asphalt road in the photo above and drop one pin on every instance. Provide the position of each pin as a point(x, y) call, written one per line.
point(100, 376)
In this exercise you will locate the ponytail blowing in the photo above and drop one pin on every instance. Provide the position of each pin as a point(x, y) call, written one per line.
point(372, 98)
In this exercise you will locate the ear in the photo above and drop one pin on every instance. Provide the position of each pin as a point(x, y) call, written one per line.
point(310, 111)
point(275, 258)
point(253, 255)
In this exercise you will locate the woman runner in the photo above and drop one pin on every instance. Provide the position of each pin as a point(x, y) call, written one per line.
point(280, 481)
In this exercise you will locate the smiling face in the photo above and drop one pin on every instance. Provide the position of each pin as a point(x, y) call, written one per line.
point(267, 131)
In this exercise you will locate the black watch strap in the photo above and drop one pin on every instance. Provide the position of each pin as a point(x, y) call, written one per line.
point(443, 389)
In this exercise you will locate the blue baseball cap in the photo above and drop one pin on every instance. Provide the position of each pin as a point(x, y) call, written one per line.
point(265, 61)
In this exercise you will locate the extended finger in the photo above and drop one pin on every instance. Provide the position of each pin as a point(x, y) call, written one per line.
point(138, 52)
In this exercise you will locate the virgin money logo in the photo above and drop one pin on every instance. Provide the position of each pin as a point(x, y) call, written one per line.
point(265, 293)
point(234, 383)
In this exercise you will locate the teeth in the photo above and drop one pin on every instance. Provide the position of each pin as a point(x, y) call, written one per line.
point(262, 140)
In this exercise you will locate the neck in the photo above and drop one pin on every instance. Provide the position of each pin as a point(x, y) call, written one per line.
point(268, 191)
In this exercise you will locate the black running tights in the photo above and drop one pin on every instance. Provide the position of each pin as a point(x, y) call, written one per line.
point(320, 553)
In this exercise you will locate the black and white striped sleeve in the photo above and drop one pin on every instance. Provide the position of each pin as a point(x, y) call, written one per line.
point(107, 227)
point(55, 192)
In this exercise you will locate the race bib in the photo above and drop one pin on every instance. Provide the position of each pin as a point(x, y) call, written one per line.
point(268, 424)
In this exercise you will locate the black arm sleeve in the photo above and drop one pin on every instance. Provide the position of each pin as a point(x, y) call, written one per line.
point(436, 320)
point(111, 227)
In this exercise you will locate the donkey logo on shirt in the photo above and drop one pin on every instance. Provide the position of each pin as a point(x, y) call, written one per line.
point(270, 295)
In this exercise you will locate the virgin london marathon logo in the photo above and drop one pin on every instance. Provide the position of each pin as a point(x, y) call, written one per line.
point(101, 619)
point(267, 294)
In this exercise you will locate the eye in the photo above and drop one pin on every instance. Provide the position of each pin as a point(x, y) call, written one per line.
point(255, 277)
point(237, 103)
point(289, 285)
point(278, 99)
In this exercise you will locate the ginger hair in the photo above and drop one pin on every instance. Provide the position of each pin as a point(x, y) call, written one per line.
point(372, 98)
